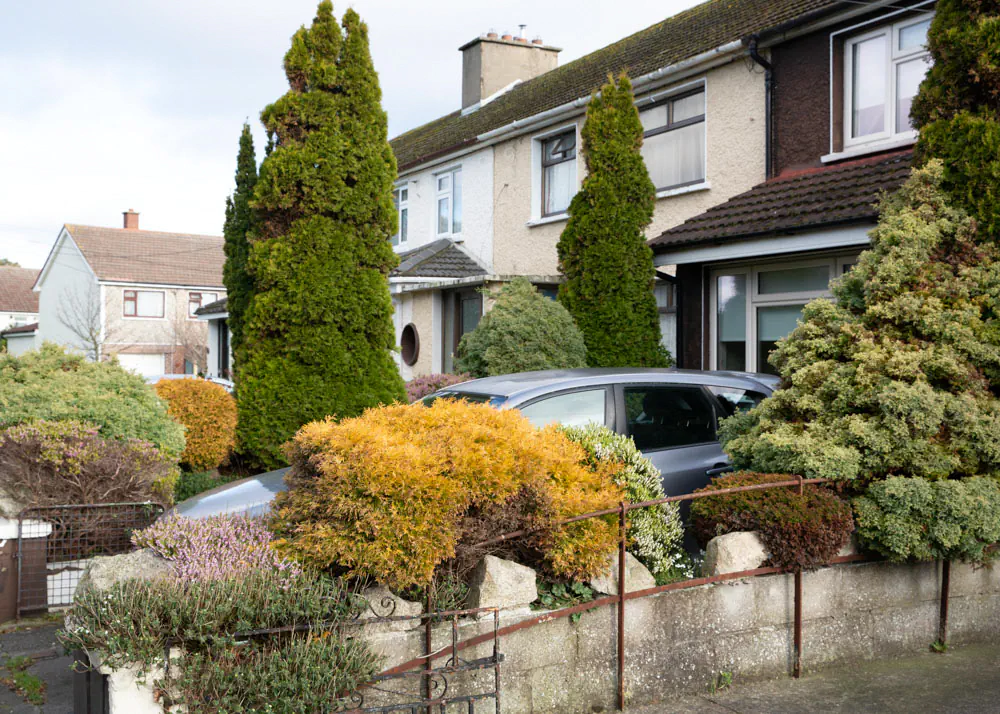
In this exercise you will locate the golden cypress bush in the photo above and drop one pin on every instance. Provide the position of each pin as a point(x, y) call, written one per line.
point(393, 493)
point(208, 414)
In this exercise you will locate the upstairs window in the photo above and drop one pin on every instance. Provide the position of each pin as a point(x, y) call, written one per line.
point(449, 202)
point(143, 303)
point(198, 300)
point(673, 143)
point(558, 172)
point(883, 70)
point(401, 197)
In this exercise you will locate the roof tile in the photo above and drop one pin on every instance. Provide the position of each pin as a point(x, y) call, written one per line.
point(16, 294)
point(440, 259)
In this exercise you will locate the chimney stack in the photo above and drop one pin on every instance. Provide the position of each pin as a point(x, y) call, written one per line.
point(131, 220)
point(490, 63)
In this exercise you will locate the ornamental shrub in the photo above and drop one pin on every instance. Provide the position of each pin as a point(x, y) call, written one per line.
point(602, 251)
point(800, 531)
point(419, 387)
point(48, 463)
point(54, 385)
point(392, 494)
point(208, 414)
point(656, 535)
point(893, 377)
point(318, 337)
point(916, 519)
point(524, 331)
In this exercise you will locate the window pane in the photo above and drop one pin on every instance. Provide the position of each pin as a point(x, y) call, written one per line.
point(573, 409)
point(731, 321)
point(560, 185)
point(908, 77)
point(689, 107)
point(868, 87)
point(914, 36)
point(773, 323)
point(129, 306)
point(444, 182)
point(662, 417)
point(653, 118)
point(456, 197)
point(560, 147)
point(403, 221)
point(444, 208)
point(737, 400)
point(472, 312)
point(794, 280)
point(150, 304)
point(676, 157)
point(194, 302)
point(404, 194)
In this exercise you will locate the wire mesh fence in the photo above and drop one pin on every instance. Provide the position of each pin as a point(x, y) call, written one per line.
point(56, 543)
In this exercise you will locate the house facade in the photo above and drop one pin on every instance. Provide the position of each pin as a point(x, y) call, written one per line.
point(130, 293)
point(18, 308)
point(840, 85)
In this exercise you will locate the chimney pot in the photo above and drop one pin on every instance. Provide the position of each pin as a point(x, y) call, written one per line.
point(492, 34)
point(537, 41)
point(521, 39)
point(131, 222)
point(507, 36)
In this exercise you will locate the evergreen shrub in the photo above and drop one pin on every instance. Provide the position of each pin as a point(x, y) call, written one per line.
point(916, 519)
point(55, 385)
point(800, 531)
point(656, 534)
point(394, 493)
point(208, 414)
point(524, 331)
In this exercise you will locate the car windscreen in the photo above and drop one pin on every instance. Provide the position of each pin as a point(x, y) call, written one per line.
point(492, 399)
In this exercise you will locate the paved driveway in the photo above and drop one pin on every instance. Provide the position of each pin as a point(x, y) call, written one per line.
point(50, 665)
point(966, 680)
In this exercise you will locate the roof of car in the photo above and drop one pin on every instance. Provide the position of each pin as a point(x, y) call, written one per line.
point(527, 384)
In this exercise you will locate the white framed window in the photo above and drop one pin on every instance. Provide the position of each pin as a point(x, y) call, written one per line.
point(448, 217)
point(883, 69)
point(197, 300)
point(143, 303)
point(558, 172)
point(673, 140)
point(401, 197)
point(754, 306)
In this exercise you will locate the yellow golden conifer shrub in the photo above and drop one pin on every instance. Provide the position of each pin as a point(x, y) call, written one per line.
point(393, 493)
point(208, 414)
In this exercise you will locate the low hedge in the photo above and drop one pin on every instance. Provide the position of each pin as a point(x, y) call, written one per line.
point(800, 531)
point(208, 414)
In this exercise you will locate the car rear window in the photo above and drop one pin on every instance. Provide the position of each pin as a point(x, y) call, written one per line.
point(734, 399)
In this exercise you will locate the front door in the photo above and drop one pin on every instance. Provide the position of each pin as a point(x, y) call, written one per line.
point(462, 311)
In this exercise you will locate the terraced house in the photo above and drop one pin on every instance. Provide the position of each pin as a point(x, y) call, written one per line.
point(744, 103)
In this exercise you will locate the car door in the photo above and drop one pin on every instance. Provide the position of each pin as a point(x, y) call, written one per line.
point(674, 426)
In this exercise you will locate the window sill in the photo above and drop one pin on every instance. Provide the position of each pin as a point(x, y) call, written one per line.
point(681, 190)
point(872, 148)
point(554, 218)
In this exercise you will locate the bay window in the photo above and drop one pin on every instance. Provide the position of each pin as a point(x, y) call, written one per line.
point(673, 144)
point(558, 172)
point(449, 202)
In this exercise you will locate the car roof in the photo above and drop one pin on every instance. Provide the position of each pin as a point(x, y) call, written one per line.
point(248, 497)
point(524, 385)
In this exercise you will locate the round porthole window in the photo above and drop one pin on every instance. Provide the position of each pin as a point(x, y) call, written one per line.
point(409, 344)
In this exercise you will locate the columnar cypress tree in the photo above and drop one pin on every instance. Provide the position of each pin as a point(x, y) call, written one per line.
point(603, 252)
point(235, 277)
point(318, 335)
point(958, 107)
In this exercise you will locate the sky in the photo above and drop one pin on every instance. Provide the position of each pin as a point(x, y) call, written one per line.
point(107, 105)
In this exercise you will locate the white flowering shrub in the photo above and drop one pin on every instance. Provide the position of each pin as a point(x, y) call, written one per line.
point(655, 533)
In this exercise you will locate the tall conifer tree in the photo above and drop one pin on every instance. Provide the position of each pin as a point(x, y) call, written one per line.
point(318, 336)
point(602, 251)
point(238, 216)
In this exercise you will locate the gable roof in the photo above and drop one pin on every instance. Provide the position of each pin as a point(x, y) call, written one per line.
point(135, 256)
point(16, 294)
point(440, 259)
point(695, 31)
point(845, 193)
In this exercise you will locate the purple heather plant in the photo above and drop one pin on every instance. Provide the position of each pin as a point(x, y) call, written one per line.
point(420, 387)
point(216, 548)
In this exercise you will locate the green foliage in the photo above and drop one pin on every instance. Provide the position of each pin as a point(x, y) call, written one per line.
point(4, 262)
point(656, 535)
point(800, 531)
point(893, 377)
point(524, 331)
point(602, 251)
point(958, 107)
point(917, 519)
point(191, 483)
point(318, 333)
point(556, 596)
point(21, 682)
point(235, 275)
point(54, 385)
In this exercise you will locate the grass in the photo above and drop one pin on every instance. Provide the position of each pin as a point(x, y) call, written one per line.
point(23, 683)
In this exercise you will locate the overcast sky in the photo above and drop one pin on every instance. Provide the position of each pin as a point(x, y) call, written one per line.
point(113, 104)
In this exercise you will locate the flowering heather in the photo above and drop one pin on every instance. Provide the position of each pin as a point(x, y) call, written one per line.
point(216, 548)
point(420, 387)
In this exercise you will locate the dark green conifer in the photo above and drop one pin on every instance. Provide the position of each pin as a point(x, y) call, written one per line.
point(318, 335)
point(603, 252)
point(238, 216)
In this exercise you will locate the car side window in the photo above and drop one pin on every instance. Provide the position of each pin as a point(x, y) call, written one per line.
point(569, 409)
point(734, 399)
point(660, 417)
